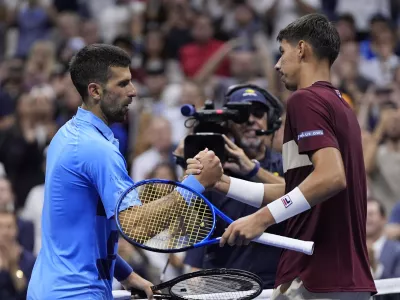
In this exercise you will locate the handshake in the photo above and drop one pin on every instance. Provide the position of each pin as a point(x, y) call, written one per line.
point(206, 167)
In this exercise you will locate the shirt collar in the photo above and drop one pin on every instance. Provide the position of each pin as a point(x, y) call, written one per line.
point(87, 116)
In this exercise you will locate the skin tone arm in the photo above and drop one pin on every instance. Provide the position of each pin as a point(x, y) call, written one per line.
point(327, 179)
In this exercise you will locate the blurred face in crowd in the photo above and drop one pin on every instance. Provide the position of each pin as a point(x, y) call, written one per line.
point(164, 172)
point(117, 94)
point(385, 44)
point(68, 25)
point(43, 103)
point(288, 66)
point(243, 15)
point(155, 84)
point(346, 30)
point(375, 220)
point(160, 134)
point(8, 227)
point(350, 51)
point(90, 32)
point(377, 28)
point(15, 69)
point(191, 94)
point(6, 194)
point(42, 53)
point(348, 70)
point(25, 107)
point(243, 64)
point(245, 135)
point(202, 30)
point(393, 127)
point(154, 43)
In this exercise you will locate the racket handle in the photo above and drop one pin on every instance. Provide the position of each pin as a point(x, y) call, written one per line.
point(306, 247)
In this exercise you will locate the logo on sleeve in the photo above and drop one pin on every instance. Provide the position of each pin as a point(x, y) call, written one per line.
point(307, 134)
point(286, 201)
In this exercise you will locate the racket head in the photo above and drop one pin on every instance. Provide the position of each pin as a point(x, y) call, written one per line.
point(149, 190)
point(217, 284)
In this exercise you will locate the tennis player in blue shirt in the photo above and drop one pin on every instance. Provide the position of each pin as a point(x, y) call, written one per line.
point(85, 175)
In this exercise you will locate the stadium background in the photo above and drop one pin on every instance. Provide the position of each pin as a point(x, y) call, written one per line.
point(183, 51)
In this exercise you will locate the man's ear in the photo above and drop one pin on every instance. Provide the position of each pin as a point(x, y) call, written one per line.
point(95, 91)
point(301, 49)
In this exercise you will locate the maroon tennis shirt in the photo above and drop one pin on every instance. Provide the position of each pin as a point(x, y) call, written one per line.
point(318, 117)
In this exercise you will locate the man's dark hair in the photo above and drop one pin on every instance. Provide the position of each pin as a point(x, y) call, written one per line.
point(382, 209)
point(92, 64)
point(316, 30)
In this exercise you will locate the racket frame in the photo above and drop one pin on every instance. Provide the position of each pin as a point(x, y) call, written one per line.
point(201, 243)
point(217, 271)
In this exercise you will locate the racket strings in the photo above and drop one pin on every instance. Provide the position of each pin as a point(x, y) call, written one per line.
point(218, 287)
point(177, 220)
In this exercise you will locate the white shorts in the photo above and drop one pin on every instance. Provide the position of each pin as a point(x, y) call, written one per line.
point(295, 290)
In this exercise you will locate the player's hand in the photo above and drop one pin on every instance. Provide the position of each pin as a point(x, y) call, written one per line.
point(137, 282)
point(241, 164)
point(244, 230)
point(211, 171)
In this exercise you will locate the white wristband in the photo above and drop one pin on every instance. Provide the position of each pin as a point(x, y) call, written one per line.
point(248, 192)
point(288, 206)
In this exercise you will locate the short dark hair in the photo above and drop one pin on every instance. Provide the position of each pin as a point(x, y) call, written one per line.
point(382, 209)
point(92, 64)
point(316, 30)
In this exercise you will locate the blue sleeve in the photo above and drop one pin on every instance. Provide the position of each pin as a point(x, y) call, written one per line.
point(194, 257)
point(110, 177)
point(122, 269)
point(395, 215)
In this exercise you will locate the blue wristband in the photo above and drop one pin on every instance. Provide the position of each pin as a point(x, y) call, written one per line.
point(122, 269)
point(255, 169)
point(192, 183)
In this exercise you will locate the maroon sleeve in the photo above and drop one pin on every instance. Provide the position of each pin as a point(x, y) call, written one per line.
point(311, 122)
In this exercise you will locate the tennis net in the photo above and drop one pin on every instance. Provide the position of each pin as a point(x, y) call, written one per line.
point(385, 287)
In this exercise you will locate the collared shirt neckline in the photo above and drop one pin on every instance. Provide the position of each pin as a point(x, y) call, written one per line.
point(87, 116)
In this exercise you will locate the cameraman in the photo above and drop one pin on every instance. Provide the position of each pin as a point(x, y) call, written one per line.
point(251, 159)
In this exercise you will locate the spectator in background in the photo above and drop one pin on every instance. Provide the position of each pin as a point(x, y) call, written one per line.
point(384, 253)
point(21, 148)
point(380, 69)
point(32, 211)
point(382, 158)
point(346, 27)
point(25, 233)
point(159, 135)
point(194, 55)
point(90, 32)
point(33, 21)
point(16, 263)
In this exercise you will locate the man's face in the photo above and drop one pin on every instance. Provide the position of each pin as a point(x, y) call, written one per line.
point(202, 30)
point(375, 221)
point(288, 65)
point(8, 227)
point(246, 135)
point(117, 94)
point(6, 194)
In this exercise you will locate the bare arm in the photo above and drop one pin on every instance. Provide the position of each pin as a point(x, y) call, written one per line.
point(268, 177)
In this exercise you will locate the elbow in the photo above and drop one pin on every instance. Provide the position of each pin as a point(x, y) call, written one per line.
point(339, 182)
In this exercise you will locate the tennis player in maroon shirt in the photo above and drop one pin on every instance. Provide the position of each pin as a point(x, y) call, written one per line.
point(324, 197)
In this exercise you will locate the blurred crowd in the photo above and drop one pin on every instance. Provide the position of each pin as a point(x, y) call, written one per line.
point(183, 52)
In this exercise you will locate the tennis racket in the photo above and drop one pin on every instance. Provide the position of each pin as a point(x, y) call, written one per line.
point(167, 216)
point(218, 284)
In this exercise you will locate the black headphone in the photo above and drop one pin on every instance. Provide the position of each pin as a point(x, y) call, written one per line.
point(275, 107)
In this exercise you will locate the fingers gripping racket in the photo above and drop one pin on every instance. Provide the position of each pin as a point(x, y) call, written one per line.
point(167, 216)
point(218, 284)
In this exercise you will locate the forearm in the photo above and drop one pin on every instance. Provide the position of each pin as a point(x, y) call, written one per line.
point(265, 176)
point(270, 191)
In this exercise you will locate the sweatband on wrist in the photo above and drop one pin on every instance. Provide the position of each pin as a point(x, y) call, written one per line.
point(122, 269)
point(292, 204)
point(247, 192)
point(192, 183)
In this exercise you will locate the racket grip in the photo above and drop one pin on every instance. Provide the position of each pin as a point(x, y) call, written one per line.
point(306, 247)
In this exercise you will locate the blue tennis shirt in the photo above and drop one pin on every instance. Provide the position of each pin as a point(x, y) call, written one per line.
point(85, 176)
